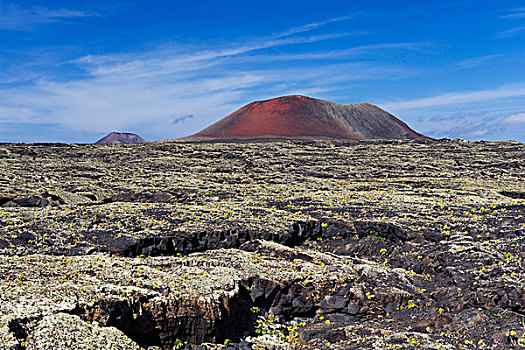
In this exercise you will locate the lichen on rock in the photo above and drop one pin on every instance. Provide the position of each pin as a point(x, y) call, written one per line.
point(63, 332)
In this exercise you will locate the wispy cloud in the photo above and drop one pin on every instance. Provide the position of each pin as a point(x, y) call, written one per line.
point(489, 120)
point(518, 118)
point(458, 98)
point(510, 32)
point(315, 25)
point(515, 14)
point(472, 125)
point(476, 61)
point(144, 91)
point(16, 17)
point(446, 117)
point(358, 51)
point(182, 119)
point(101, 103)
point(163, 63)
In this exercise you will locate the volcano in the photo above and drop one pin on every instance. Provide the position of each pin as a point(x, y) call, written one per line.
point(305, 117)
point(121, 137)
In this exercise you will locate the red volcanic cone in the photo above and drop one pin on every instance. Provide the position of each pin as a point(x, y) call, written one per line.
point(121, 137)
point(300, 116)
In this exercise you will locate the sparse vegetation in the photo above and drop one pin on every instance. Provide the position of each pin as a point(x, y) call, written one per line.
point(328, 232)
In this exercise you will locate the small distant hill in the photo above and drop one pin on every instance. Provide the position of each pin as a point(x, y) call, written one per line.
point(121, 137)
point(305, 117)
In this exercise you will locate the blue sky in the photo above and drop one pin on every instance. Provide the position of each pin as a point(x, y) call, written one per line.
point(72, 72)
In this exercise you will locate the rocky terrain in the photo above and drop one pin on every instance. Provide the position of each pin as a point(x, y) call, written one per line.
point(305, 117)
point(121, 137)
point(278, 245)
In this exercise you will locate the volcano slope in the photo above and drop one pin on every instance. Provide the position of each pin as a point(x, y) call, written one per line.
point(302, 117)
point(280, 245)
point(121, 137)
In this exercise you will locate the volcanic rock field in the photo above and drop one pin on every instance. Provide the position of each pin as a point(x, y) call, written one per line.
point(416, 244)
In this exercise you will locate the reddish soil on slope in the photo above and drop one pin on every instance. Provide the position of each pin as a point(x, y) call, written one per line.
point(121, 137)
point(300, 116)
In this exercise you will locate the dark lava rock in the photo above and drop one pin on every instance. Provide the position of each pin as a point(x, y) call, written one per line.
point(316, 243)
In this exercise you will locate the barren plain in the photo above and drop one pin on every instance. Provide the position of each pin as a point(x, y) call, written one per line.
point(278, 245)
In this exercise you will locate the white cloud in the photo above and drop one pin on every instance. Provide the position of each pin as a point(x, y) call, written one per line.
point(116, 101)
point(458, 98)
point(143, 92)
point(357, 51)
point(509, 32)
point(110, 64)
point(312, 26)
point(518, 118)
point(515, 14)
point(470, 125)
point(476, 61)
point(478, 133)
point(15, 17)
point(163, 63)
